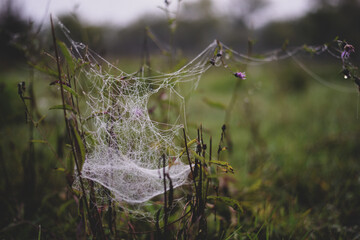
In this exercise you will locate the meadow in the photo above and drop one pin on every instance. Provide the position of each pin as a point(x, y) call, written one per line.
point(172, 145)
point(294, 151)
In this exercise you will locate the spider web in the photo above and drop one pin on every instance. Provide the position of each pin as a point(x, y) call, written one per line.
point(125, 146)
point(127, 156)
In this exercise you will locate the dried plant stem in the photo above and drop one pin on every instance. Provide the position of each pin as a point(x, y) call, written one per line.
point(92, 223)
point(228, 114)
point(188, 157)
point(165, 197)
point(230, 107)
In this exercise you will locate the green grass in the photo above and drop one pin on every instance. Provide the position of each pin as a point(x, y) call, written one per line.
point(295, 155)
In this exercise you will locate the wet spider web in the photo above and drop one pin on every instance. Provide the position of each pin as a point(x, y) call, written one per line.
point(125, 146)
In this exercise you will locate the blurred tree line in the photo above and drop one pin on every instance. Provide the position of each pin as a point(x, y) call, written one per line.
point(13, 31)
point(328, 19)
point(197, 26)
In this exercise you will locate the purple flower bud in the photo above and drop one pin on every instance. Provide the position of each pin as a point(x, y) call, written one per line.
point(240, 75)
point(347, 50)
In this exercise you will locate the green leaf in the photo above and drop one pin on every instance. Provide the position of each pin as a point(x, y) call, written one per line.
point(214, 104)
point(225, 165)
point(40, 120)
point(197, 155)
point(39, 234)
point(64, 206)
point(66, 107)
point(255, 186)
point(60, 169)
point(228, 201)
point(45, 70)
point(285, 45)
point(80, 148)
point(309, 49)
point(69, 90)
point(181, 63)
point(229, 53)
point(70, 164)
point(171, 21)
point(188, 145)
point(304, 214)
point(38, 141)
point(65, 51)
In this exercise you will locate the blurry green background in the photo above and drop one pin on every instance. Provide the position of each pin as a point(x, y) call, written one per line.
point(295, 141)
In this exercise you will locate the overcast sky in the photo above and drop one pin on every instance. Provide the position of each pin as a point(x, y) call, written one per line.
point(123, 12)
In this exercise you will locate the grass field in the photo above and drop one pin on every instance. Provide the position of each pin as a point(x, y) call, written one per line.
point(294, 151)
